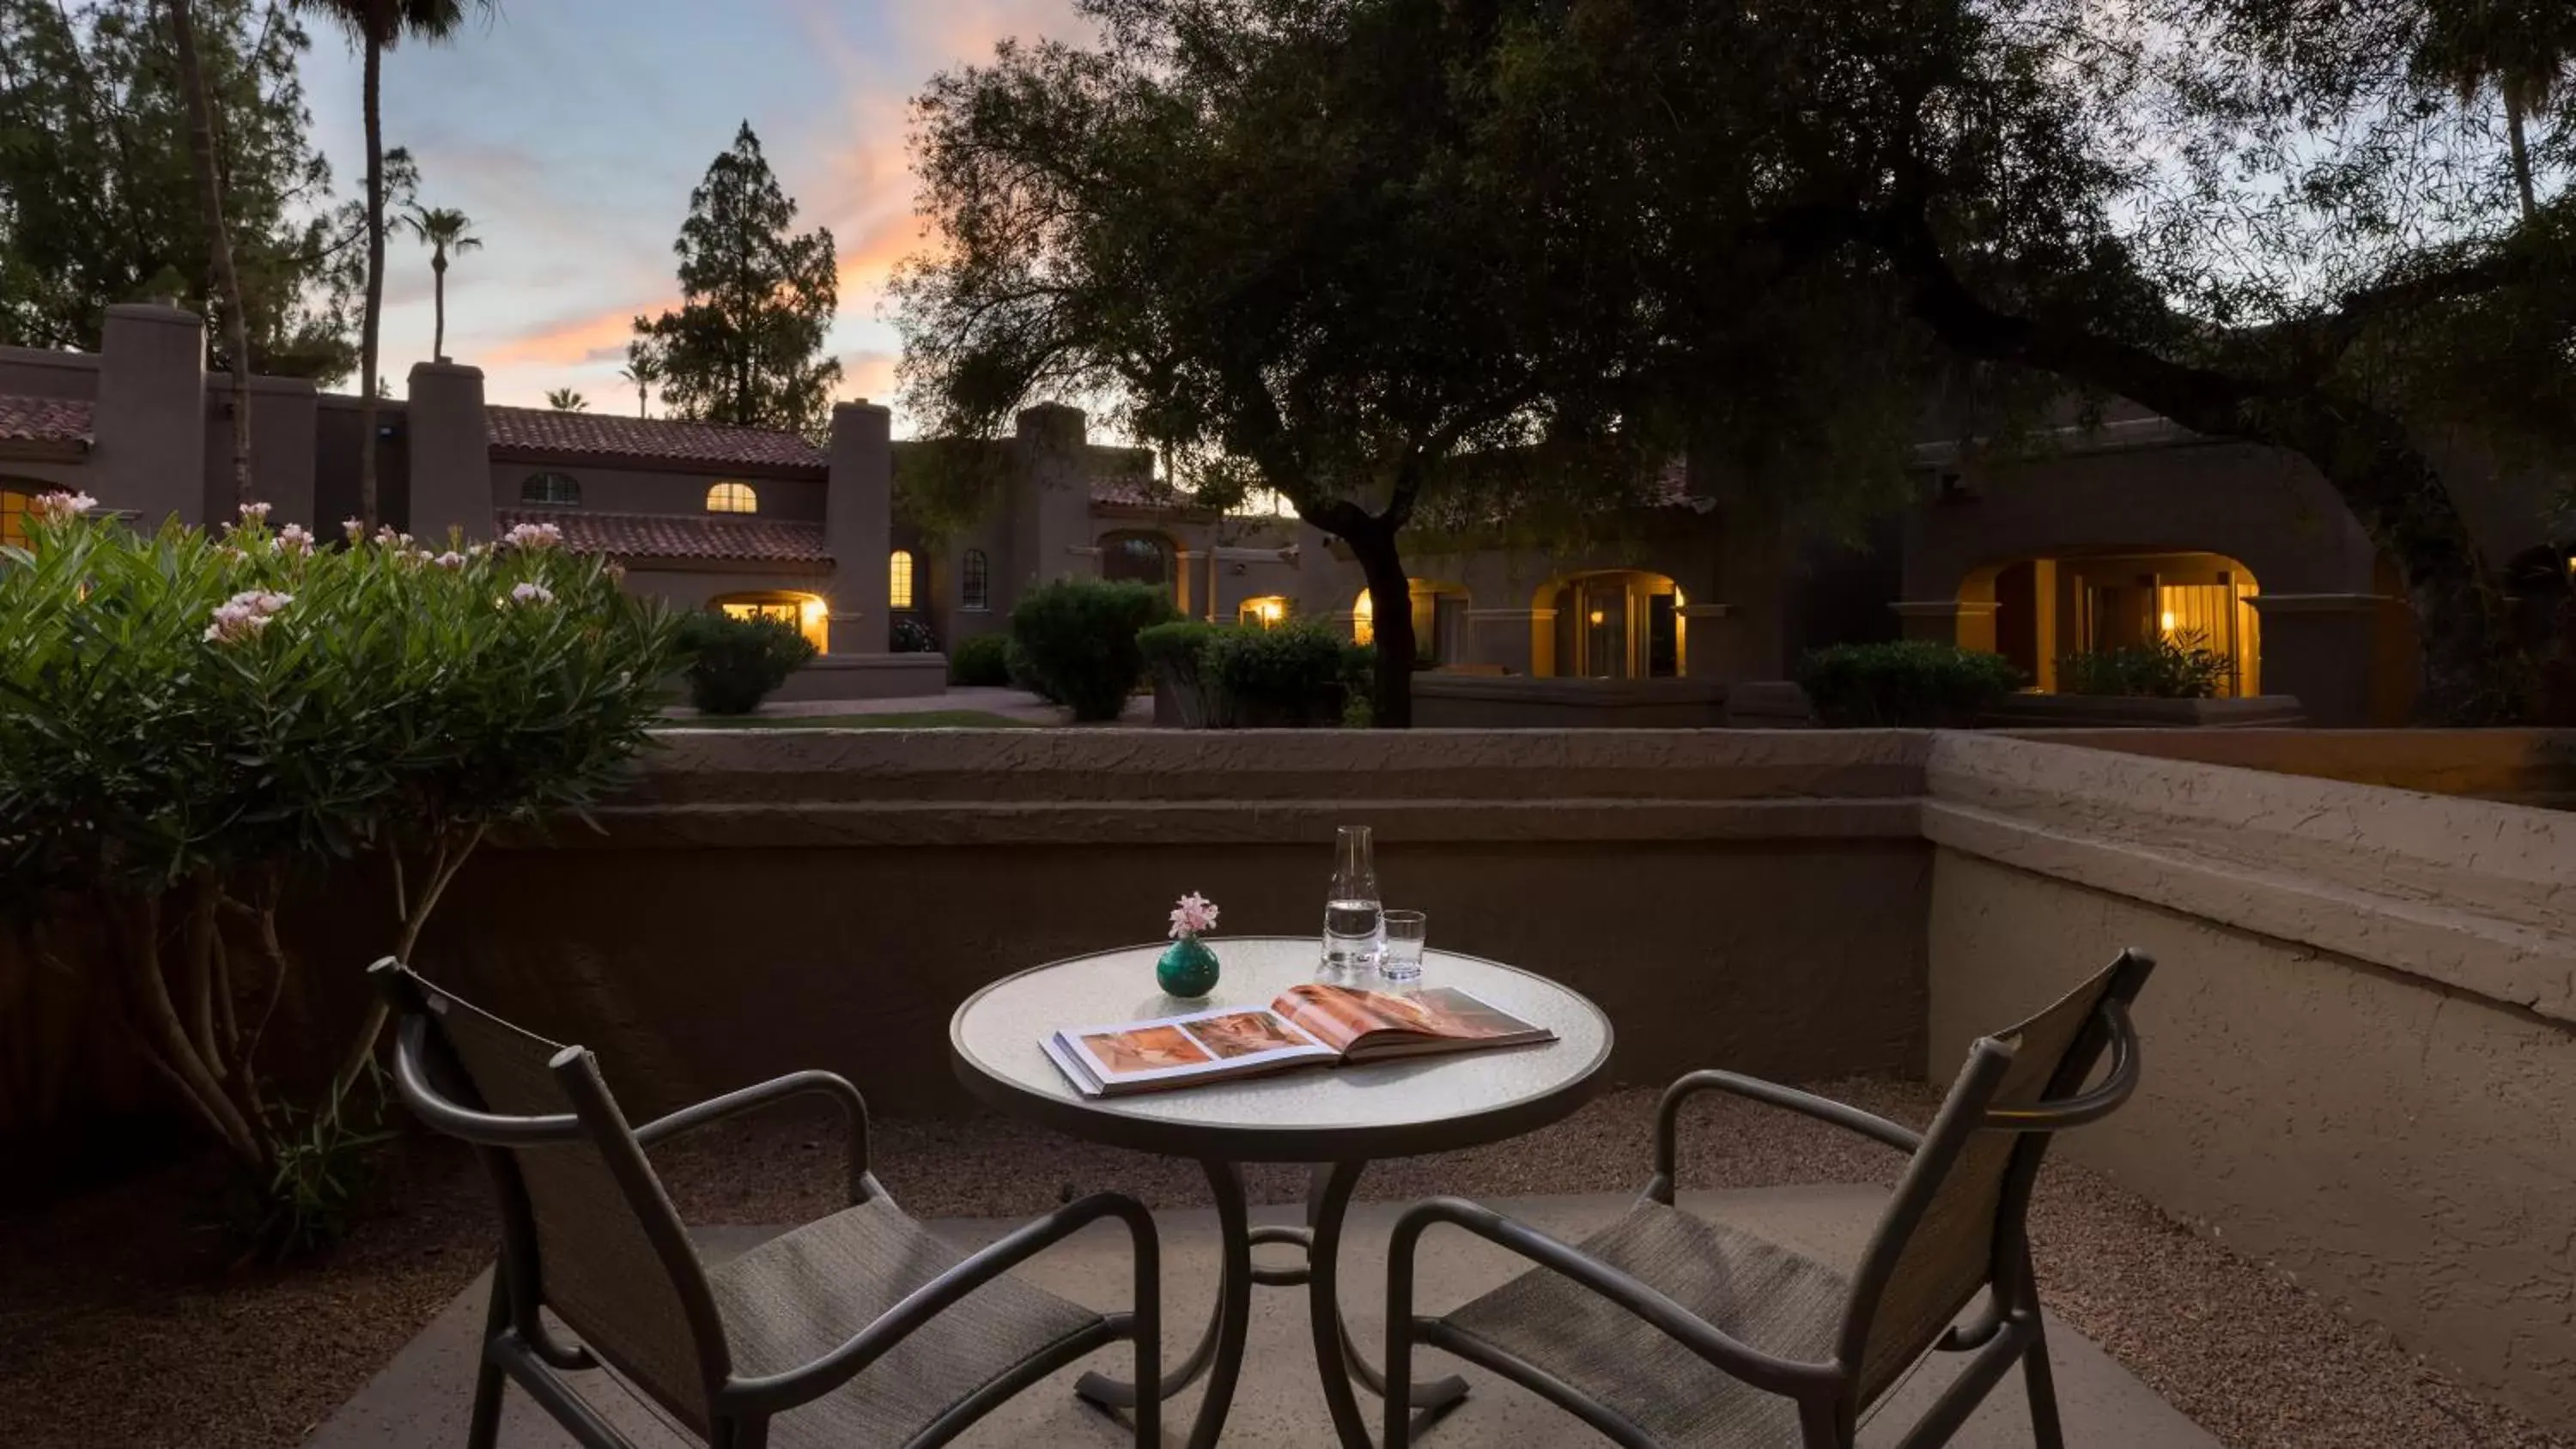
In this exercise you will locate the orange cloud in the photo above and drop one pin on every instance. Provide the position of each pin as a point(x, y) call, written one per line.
point(593, 338)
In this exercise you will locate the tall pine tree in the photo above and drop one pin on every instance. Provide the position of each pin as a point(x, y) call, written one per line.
point(745, 345)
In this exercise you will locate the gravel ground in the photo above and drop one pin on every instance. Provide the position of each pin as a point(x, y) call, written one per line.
point(120, 1323)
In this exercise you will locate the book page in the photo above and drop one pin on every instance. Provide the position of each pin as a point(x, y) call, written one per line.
point(1225, 1041)
point(1339, 1016)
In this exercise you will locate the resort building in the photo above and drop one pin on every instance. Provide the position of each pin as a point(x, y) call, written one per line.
point(2112, 531)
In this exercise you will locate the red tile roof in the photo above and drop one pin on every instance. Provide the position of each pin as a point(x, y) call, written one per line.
point(711, 536)
point(664, 440)
point(44, 420)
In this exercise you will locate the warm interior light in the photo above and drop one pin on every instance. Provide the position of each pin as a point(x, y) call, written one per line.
point(812, 609)
point(2167, 622)
point(1598, 616)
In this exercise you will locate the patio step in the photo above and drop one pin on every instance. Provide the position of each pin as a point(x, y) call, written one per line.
point(419, 1400)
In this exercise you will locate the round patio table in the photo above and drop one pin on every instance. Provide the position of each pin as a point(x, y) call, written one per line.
point(1335, 1118)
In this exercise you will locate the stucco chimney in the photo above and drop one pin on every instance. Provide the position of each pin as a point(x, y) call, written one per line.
point(858, 526)
point(1051, 494)
point(149, 422)
point(451, 452)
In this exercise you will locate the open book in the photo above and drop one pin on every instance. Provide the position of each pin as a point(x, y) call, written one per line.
point(1309, 1023)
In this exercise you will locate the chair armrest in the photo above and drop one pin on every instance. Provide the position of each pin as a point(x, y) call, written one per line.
point(1725, 1352)
point(776, 1393)
point(1823, 1109)
point(854, 1110)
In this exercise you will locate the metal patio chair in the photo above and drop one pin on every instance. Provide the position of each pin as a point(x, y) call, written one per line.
point(857, 1329)
point(1667, 1330)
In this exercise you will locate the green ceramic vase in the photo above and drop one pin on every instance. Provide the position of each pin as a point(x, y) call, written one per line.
point(1188, 969)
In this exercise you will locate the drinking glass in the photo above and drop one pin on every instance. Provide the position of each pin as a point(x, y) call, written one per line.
point(1351, 932)
point(1399, 961)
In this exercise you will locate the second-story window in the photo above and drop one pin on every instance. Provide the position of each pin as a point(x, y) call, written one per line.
point(732, 497)
point(899, 580)
point(975, 581)
point(550, 488)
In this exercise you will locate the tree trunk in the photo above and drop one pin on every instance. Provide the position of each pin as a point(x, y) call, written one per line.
point(1391, 619)
point(367, 322)
point(2516, 131)
point(219, 244)
point(438, 295)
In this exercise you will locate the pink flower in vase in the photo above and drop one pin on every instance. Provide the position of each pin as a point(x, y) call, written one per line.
point(1195, 915)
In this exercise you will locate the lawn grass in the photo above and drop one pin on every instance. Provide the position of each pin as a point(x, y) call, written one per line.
point(929, 719)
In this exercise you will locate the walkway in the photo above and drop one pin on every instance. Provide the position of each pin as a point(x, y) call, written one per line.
point(419, 1401)
point(1012, 704)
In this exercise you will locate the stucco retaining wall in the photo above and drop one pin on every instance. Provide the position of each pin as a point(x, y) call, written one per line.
point(2517, 766)
point(2361, 1040)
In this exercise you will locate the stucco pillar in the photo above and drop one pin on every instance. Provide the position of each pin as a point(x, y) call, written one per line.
point(149, 419)
point(1713, 644)
point(284, 411)
point(1968, 623)
point(858, 527)
point(1051, 496)
point(1189, 591)
point(2321, 648)
point(450, 442)
point(1522, 641)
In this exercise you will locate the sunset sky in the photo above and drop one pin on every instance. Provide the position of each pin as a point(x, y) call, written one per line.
point(571, 131)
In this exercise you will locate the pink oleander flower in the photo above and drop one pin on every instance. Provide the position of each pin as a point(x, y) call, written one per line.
point(294, 538)
point(255, 512)
point(353, 528)
point(450, 560)
point(58, 507)
point(244, 615)
point(531, 594)
point(1195, 915)
point(532, 535)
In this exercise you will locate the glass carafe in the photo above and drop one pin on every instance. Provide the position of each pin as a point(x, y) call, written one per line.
point(1354, 931)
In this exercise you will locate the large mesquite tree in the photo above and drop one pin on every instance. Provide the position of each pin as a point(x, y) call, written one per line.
point(1262, 234)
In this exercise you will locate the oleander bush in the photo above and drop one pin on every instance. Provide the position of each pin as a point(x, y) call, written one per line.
point(2181, 667)
point(192, 721)
point(1077, 641)
point(734, 664)
point(1908, 683)
point(911, 636)
point(1287, 676)
point(982, 661)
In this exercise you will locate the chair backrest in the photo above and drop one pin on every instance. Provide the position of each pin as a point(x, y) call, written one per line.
point(1955, 1222)
point(586, 1228)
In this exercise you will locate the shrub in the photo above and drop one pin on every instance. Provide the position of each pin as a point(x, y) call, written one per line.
point(190, 720)
point(1022, 674)
point(1291, 675)
point(981, 661)
point(1078, 638)
point(2183, 667)
point(734, 664)
point(1175, 655)
point(1907, 683)
point(911, 636)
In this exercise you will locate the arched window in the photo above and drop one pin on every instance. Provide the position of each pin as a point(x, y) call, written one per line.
point(975, 581)
point(1144, 557)
point(732, 497)
point(805, 613)
point(552, 488)
point(899, 580)
point(1267, 612)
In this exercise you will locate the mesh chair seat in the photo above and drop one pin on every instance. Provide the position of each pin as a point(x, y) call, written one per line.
point(1751, 1288)
point(800, 1295)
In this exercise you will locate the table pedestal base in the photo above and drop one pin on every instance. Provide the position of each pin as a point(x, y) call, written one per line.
point(1219, 1354)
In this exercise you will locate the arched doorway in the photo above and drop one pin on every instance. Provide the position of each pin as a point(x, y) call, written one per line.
point(1439, 621)
point(806, 613)
point(1146, 558)
point(2041, 612)
point(1611, 624)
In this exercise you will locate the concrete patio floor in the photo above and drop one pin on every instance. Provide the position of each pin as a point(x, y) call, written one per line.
point(419, 1400)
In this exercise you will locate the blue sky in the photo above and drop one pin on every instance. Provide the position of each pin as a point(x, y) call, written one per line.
point(571, 131)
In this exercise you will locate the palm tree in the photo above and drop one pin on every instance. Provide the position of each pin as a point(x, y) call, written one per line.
point(2475, 43)
point(376, 26)
point(444, 231)
point(565, 400)
point(219, 244)
point(642, 371)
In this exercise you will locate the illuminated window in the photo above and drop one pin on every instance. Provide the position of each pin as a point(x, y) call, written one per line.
point(804, 613)
point(1267, 613)
point(732, 497)
point(1364, 620)
point(899, 580)
point(975, 581)
point(13, 519)
point(553, 488)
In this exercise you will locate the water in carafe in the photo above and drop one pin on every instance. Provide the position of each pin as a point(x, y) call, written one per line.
point(1353, 930)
